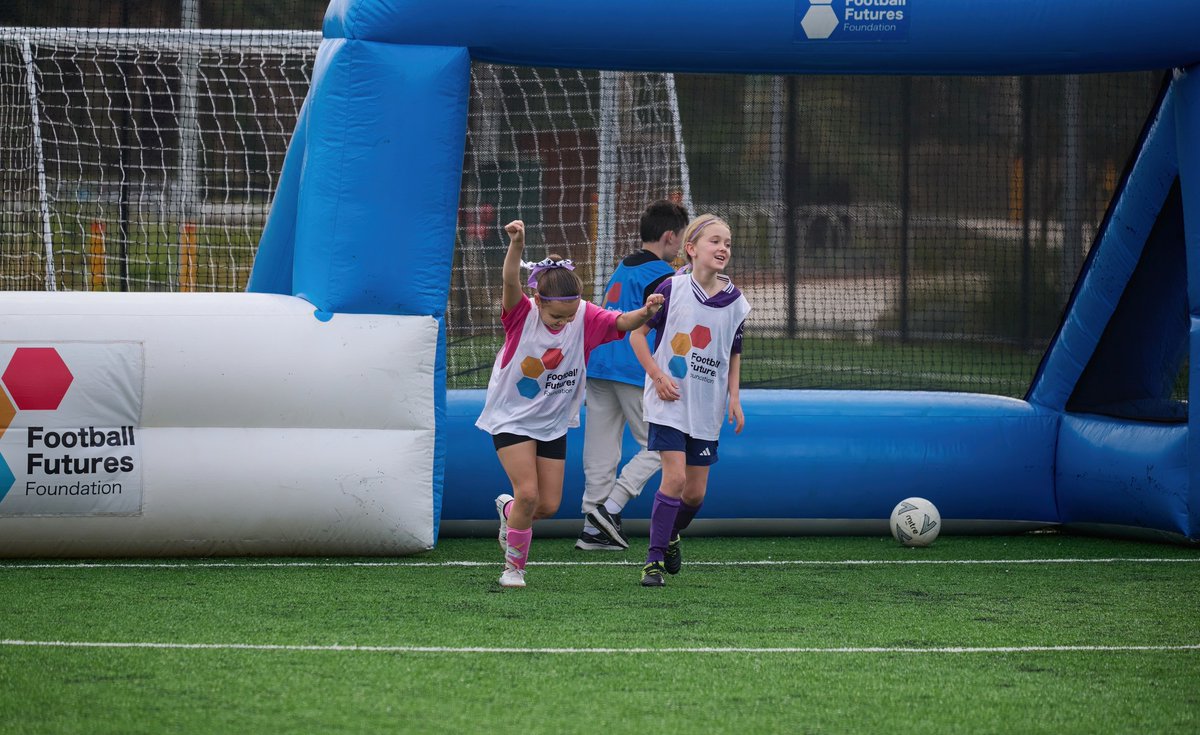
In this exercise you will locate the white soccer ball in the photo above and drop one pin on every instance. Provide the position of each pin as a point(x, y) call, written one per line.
point(916, 522)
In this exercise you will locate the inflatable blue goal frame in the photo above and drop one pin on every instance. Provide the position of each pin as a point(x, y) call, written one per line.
point(364, 221)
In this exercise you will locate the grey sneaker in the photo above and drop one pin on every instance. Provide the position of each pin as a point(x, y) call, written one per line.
point(609, 524)
point(501, 501)
point(597, 542)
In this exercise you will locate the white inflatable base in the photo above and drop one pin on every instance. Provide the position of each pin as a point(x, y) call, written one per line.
point(258, 428)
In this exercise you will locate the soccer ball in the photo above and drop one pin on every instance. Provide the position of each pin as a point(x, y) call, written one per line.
point(916, 522)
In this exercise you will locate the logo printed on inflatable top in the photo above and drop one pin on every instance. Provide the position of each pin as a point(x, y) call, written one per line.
point(820, 21)
point(851, 20)
point(37, 379)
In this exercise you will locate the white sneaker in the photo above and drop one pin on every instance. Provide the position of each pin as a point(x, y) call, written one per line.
point(501, 501)
point(512, 577)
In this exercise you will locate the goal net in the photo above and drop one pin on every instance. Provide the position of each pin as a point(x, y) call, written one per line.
point(145, 160)
point(142, 160)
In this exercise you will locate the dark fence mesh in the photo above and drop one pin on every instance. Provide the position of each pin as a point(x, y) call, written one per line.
point(890, 232)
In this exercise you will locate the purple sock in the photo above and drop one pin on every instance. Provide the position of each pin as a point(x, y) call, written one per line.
point(662, 520)
point(685, 516)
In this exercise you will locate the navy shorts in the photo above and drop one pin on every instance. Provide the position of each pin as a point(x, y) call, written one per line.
point(553, 449)
point(700, 452)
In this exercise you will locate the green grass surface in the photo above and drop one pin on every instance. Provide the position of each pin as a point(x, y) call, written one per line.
point(1034, 633)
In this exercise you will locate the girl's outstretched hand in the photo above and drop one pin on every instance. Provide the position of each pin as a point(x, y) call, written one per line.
point(516, 232)
point(654, 302)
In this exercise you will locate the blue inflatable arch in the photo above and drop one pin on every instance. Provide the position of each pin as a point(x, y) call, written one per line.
point(364, 222)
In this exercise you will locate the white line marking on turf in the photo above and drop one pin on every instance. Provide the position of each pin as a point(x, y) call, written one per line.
point(488, 649)
point(627, 563)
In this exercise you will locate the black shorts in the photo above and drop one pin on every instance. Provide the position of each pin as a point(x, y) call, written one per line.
point(553, 449)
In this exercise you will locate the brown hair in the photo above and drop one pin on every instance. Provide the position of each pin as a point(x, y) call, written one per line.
point(559, 283)
point(692, 231)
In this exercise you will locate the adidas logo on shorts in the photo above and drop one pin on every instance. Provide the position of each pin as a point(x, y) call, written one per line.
point(705, 453)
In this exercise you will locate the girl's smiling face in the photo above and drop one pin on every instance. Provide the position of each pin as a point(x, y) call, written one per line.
point(556, 314)
point(711, 250)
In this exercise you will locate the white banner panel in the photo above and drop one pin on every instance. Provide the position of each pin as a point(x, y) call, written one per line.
point(70, 446)
point(237, 492)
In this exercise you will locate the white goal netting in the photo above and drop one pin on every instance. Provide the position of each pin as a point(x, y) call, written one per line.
point(578, 155)
point(135, 160)
point(145, 160)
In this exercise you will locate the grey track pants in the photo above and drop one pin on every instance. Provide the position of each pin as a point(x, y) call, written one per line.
point(611, 405)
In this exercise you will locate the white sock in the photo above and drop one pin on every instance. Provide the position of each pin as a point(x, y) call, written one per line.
point(612, 506)
point(589, 528)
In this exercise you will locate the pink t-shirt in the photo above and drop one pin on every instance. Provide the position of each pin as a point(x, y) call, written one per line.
point(599, 326)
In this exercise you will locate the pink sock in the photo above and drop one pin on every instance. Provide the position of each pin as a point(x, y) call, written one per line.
point(507, 507)
point(518, 546)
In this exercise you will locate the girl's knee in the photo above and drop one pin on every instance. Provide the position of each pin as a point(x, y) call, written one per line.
point(671, 488)
point(545, 510)
point(526, 500)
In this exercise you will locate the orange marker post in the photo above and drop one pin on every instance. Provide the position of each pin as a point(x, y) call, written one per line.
point(187, 258)
point(95, 256)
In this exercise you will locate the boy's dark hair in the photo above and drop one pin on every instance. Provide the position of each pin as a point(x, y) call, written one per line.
point(661, 217)
point(558, 282)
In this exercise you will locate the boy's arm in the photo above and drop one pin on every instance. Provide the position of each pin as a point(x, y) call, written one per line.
point(735, 393)
point(663, 385)
point(511, 271)
point(631, 320)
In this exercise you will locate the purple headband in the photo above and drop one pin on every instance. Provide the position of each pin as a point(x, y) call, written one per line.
point(544, 265)
point(696, 231)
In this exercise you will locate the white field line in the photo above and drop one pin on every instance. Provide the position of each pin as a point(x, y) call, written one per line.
point(337, 648)
point(442, 564)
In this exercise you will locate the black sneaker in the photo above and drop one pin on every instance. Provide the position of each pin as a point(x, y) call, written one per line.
point(609, 524)
point(652, 575)
point(673, 559)
point(597, 542)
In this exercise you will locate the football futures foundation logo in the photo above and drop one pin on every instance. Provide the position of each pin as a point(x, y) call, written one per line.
point(685, 361)
point(533, 368)
point(852, 20)
point(68, 428)
point(36, 379)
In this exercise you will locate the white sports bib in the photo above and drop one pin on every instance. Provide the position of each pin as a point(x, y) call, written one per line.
point(694, 351)
point(539, 392)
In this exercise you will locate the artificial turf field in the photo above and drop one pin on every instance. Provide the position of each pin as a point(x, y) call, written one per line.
point(1042, 632)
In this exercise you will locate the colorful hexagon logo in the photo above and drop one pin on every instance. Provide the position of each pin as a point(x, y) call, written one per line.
point(701, 336)
point(37, 378)
point(678, 366)
point(531, 367)
point(528, 387)
point(681, 344)
point(614, 293)
point(6, 412)
point(552, 358)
